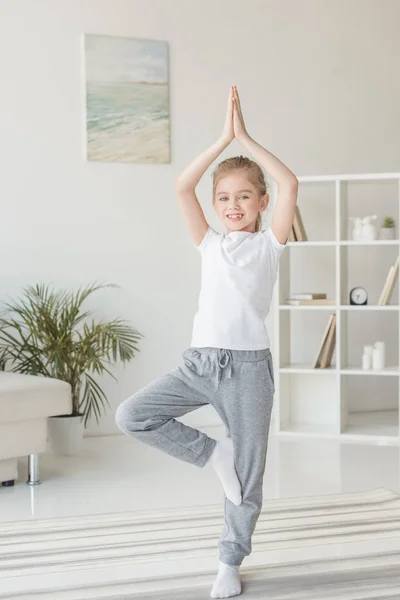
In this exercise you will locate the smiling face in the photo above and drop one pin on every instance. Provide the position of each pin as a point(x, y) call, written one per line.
point(237, 202)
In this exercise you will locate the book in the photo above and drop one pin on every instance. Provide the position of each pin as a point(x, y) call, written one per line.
point(317, 302)
point(296, 227)
point(307, 296)
point(318, 357)
point(385, 287)
point(392, 280)
point(389, 284)
point(301, 225)
point(385, 294)
point(292, 236)
point(329, 345)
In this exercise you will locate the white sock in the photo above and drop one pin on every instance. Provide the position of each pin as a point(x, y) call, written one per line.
point(222, 460)
point(227, 583)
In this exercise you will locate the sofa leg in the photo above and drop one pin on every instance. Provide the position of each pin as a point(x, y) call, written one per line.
point(8, 483)
point(33, 470)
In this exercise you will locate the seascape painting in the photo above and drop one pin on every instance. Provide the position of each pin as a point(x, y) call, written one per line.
point(127, 99)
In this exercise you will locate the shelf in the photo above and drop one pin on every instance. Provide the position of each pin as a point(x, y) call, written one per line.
point(345, 243)
point(371, 243)
point(308, 307)
point(370, 307)
point(377, 423)
point(337, 402)
point(341, 307)
point(308, 243)
point(309, 429)
point(306, 368)
point(356, 370)
point(368, 426)
point(348, 177)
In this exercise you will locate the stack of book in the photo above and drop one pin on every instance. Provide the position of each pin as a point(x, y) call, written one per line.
point(389, 284)
point(298, 233)
point(309, 298)
point(327, 346)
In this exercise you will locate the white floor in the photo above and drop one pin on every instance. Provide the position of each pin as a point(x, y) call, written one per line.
point(126, 535)
point(117, 474)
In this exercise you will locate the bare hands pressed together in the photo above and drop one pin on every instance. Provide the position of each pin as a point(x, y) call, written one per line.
point(234, 122)
point(234, 128)
point(287, 182)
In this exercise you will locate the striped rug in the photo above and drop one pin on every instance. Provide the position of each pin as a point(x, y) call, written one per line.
point(343, 546)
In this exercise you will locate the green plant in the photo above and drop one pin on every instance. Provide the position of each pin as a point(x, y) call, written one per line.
point(388, 222)
point(47, 333)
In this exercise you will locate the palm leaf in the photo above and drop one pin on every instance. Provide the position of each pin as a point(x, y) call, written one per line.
point(93, 397)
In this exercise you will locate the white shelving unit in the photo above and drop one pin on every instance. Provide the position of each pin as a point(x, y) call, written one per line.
point(343, 401)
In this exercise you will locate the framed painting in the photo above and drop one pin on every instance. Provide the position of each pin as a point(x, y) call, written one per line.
point(127, 99)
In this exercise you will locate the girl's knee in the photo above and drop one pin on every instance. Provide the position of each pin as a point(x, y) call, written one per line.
point(126, 417)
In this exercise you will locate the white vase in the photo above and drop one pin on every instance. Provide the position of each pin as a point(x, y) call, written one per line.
point(387, 233)
point(366, 361)
point(65, 434)
point(357, 230)
point(378, 357)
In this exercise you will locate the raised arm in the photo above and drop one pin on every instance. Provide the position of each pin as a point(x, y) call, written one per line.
point(187, 181)
point(286, 180)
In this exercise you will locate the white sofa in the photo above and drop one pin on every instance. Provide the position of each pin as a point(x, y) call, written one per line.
point(25, 403)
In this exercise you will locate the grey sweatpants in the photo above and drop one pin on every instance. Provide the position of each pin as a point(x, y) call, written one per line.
point(240, 386)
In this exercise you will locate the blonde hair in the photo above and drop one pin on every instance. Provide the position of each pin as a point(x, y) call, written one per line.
point(252, 170)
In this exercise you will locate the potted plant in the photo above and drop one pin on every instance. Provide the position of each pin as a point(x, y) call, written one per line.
point(47, 333)
point(388, 229)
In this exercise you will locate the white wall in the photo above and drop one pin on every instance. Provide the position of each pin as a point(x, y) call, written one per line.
point(319, 86)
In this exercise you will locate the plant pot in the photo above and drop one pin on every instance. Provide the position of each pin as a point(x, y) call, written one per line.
point(65, 434)
point(388, 233)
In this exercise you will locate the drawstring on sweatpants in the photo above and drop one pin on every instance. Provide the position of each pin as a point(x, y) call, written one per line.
point(225, 360)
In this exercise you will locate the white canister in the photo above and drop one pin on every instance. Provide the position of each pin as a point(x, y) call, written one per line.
point(366, 361)
point(378, 358)
point(381, 347)
point(368, 350)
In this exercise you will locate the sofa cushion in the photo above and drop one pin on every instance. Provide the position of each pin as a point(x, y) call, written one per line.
point(8, 469)
point(20, 438)
point(24, 397)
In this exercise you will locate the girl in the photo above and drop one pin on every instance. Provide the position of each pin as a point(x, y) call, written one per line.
point(229, 362)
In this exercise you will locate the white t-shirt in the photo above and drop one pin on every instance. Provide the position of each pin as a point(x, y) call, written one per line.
point(238, 274)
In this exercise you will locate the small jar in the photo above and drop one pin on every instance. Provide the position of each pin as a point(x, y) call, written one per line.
point(377, 359)
point(366, 361)
point(381, 347)
point(368, 350)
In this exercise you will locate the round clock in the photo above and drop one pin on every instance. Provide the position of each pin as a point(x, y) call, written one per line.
point(358, 295)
